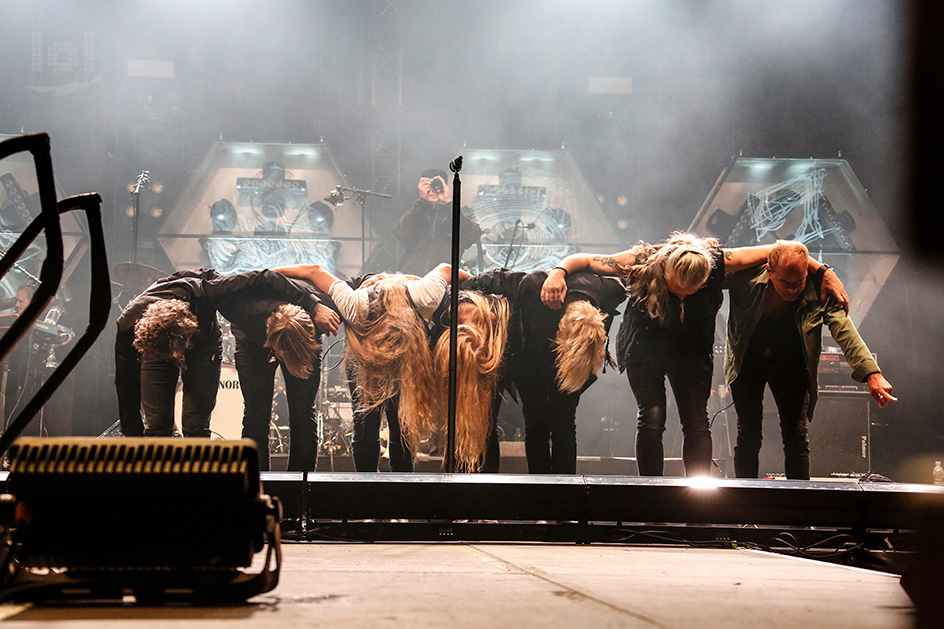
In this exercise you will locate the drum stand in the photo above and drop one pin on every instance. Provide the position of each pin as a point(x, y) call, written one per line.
point(332, 439)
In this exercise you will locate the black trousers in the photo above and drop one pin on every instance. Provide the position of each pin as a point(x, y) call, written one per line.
point(690, 377)
point(153, 385)
point(365, 442)
point(550, 424)
point(256, 369)
point(789, 384)
point(492, 459)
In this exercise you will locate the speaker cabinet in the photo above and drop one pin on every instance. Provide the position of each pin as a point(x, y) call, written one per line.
point(840, 435)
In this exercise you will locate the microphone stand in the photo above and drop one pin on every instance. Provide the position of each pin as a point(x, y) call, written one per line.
point(361, 198)
point(450, 461)
point(143, 179)
point(511, 245)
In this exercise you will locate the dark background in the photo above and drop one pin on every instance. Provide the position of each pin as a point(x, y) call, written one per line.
point(395, 87)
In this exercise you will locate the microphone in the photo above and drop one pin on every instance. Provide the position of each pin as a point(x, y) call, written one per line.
point(520, 223)
point(336, 197)
point(142, 182)
point(456, 164)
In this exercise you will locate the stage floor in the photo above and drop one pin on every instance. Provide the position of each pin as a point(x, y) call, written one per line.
point(530, 585)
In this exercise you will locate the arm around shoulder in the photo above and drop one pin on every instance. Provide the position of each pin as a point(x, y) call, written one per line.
point(554, 290)
point(313, 273)
point(445, 271)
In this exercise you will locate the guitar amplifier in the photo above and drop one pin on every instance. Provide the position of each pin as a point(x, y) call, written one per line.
point(835, 374)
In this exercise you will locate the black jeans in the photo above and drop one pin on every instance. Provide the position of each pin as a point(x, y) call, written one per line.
point(789, 384)
point(153, 383)
point(550, 425)
point(128, 388)
point(365, 442)
point(690, 377)
point(492, 458)
point(256, 368)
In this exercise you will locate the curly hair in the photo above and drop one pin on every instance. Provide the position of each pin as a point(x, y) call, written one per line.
point(482, 337)
point(579, 346)
point(685, 256)
point(166, 330)
point(392, 349)
point(291, 335)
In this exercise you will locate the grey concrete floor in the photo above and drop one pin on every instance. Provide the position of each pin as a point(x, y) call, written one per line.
point(529, 585)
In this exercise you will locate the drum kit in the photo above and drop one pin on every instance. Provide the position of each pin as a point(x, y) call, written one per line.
point(29, 363)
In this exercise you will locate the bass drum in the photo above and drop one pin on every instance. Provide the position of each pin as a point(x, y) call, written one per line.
point(226, 421)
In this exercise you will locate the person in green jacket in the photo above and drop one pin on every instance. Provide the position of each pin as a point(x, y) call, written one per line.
point(775, 338)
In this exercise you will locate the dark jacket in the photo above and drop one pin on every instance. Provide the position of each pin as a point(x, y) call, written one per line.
point(425, 231)
point(747, 289)
point(532, 326)
point(690, 335)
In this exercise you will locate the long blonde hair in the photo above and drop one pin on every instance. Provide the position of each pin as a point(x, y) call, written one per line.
point(684, 255)
point(579, 346)
point(390, 355)
point(291, 334)
point(482, 338)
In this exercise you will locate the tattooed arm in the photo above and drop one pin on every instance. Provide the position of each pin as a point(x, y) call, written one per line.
point(741, 258)
point(555, 286)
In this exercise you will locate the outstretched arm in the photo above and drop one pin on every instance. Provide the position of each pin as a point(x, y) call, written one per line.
point(554, 289)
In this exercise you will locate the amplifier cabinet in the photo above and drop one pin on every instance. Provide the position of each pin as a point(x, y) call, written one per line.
point(840, 435)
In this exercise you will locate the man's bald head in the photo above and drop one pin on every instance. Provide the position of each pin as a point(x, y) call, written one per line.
point(787, 251)
point(787, 268)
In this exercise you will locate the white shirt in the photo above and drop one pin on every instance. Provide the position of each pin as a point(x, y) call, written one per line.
point(426, 293)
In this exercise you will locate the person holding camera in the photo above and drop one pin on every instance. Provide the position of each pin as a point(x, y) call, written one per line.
point(425, 230)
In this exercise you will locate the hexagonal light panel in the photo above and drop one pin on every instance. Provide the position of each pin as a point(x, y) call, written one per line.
point(819, 202)
point(536, 205)
point(19, 205)
point(259, 206)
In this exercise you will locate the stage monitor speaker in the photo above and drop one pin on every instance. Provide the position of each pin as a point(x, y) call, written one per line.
point(840, 436)
point(155, 518)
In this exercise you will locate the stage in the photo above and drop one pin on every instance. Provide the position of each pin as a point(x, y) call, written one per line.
point(512, 550)
point(594, 507)
point(530, 585)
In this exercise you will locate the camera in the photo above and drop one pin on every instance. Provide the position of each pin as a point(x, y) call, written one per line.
point(436, 185)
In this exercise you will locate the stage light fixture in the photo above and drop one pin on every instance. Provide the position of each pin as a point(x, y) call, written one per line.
point(157, 188)
point(622, 200)
point(129, 212)
point(156, 212)
point(320, 218)
point(159, 519)
point(223, 217)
